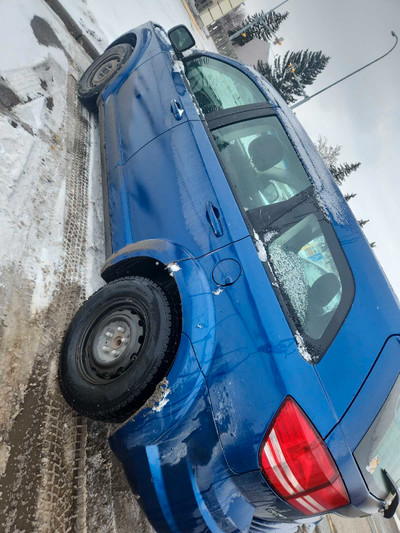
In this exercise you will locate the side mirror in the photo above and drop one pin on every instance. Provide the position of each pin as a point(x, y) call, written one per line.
point(181, 39)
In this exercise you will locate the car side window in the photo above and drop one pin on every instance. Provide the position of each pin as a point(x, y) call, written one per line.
point(217, 85)
point(260, 161)
point(305, 269)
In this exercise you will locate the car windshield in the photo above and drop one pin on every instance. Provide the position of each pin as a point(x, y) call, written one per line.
point(217, 85)
point(260, 161)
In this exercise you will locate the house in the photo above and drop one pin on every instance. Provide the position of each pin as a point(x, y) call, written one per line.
point(212, 10)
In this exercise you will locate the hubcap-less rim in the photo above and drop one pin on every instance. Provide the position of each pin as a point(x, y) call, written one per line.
point(113, 345)
point(105, 71)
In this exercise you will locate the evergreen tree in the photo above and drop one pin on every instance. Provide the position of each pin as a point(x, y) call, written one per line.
point(293, 71)
point(341, 171)
point(362, 222)
point(263, 29)
point(349, 196)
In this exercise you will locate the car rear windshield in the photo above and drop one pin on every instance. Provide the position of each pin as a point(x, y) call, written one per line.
point(217, 85)
point(379, 449)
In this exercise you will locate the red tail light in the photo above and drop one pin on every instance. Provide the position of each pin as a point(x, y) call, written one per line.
point(297, 464)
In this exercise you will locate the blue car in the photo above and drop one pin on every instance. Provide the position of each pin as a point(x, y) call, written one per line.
point(246, 337)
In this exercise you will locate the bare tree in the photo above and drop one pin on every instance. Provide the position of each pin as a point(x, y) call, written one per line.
point(235, 18)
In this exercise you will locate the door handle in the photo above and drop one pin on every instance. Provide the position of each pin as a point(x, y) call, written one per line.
point(177, 109)
point(213, 218)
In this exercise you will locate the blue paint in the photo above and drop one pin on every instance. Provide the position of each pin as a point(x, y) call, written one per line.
point(153, 456)
point(211, 524)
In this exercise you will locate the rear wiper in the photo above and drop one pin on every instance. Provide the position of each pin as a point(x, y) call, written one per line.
point(392, 501)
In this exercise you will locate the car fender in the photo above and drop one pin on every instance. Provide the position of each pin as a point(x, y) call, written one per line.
point(195, 288)
point(146, 45)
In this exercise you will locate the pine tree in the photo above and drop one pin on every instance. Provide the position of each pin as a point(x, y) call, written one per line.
point(349, 196)
point(263, 29)
point(293, 71)
point(341, 171)
point(362, 222)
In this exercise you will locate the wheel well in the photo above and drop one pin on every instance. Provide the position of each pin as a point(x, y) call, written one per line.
point(150, 268)
point(128, 38)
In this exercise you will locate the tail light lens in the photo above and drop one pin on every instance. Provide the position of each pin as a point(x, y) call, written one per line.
point(297, 464)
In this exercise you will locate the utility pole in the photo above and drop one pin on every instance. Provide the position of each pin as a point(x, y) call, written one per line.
point(307, 98)
point(239, 32)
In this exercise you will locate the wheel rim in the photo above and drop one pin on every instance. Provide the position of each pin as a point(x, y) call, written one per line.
point(104, 70)
point(112, 344)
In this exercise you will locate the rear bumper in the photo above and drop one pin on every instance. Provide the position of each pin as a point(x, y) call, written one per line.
point(173, 458)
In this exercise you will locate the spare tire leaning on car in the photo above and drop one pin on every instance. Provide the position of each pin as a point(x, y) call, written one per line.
point(118, 347)
point(99, 74)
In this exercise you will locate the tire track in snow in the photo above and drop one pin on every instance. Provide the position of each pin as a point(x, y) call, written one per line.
point(44, 478)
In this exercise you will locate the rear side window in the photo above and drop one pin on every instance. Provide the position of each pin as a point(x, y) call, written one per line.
point(217, 85)
point(261, 162)
point(306, 271)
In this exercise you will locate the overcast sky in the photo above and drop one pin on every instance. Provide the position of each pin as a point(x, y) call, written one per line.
point(362, 114)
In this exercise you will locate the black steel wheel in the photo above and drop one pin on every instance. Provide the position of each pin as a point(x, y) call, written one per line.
point(118, 347)
point(101, 72)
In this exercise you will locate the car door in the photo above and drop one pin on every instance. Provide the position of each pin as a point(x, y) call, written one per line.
point(169, 183)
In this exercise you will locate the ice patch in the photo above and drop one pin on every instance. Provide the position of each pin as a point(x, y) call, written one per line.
point(269, 235)
point(261, 251)
point(289, 269)
point(218, 291)
point(163, 401)
point(302, 348)
point(178, 66)
point(173, 267)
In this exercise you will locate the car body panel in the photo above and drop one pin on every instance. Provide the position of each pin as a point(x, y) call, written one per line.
point(173, 459)
point(174, 453)
point(160, 175)
point(367, 404)
point(261, 354)
point(144, 101)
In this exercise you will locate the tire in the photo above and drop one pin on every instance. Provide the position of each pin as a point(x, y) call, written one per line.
point(119, 346)
point(101, 72)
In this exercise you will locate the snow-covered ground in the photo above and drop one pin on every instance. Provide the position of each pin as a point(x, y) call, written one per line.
point(56, 470)
point(102, 21)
